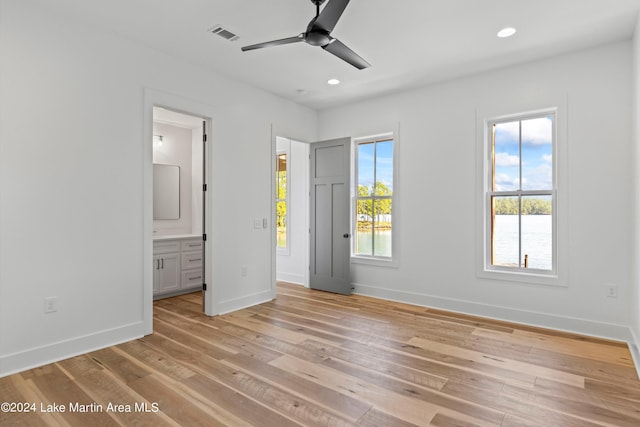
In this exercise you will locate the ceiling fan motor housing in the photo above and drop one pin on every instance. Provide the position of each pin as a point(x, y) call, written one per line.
point(318, 38)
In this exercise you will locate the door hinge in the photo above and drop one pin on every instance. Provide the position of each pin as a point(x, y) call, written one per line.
point(204, 137)
point(204, 286)
point(204, 237)
point(204, 187)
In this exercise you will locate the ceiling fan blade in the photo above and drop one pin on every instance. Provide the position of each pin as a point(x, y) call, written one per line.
point(330, 15)
point(288, 40)
point(339, 49)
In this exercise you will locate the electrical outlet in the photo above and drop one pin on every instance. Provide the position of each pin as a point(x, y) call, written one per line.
point(243, 270)
point(612, 290)
point(50, 304)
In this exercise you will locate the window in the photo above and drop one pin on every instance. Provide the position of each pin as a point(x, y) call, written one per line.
point(374, 198)
point(520, 195)
point(282, 199)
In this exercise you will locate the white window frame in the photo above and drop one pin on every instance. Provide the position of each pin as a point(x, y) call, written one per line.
point(370, 259)
point(557, 275)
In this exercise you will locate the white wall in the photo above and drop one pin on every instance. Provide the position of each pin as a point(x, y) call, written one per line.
point(73, 177)
point(292, 265)
point(176, 149)
point(196, 180)
point(635, 298)
point(435, 205)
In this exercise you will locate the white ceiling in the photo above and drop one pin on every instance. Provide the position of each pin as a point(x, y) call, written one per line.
point(408, 42)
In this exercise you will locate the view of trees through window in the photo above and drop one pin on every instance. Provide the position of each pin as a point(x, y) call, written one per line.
point(281, 200)
point(374, 200)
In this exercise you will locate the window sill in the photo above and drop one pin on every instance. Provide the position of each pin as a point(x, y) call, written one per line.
point(378, 262)
point(522, 277)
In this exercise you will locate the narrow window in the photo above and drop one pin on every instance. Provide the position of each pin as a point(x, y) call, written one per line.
point(520, 195)
point(281, 201)
point(374, 198)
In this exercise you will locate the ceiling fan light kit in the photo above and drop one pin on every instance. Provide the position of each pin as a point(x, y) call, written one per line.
point(318, 33)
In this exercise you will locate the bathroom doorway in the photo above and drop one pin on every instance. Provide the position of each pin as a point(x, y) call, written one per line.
point(179, 202)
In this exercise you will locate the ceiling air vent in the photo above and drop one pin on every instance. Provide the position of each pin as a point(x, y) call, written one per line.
point(224, 33)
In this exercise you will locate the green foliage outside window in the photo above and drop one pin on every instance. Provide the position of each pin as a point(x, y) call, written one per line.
point(281, 200)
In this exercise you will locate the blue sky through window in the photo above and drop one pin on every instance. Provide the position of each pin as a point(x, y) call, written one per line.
point(537, 154)
point(383, 163)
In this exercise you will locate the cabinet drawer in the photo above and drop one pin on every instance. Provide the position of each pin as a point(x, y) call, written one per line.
point(191, 260)
point(166, 246)
point(192, 279)
point(192, 245)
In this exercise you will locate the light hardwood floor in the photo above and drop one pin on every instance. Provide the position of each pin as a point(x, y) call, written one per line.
point(313, 358)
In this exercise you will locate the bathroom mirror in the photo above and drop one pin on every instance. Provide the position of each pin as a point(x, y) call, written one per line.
point(166, 191)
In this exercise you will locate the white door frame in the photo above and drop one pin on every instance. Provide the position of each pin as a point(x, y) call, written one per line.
point(155, 98)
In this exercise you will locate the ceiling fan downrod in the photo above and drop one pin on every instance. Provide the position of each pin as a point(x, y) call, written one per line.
point(317, 3)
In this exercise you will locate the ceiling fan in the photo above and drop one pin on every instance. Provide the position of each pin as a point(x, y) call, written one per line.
point(318, 33)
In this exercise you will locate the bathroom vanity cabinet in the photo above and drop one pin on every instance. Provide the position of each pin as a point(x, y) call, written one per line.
point(177, 265)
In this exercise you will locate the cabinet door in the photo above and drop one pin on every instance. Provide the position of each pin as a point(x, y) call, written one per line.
point(192, 279)
point(168, 273)
point(191, 260)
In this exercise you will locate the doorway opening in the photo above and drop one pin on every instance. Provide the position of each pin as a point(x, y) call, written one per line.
point(179, 188)
point(291, 206)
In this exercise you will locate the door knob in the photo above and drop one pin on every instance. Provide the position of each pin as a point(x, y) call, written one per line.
point(345, 235)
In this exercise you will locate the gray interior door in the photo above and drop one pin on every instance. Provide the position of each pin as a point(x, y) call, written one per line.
point(330, 226)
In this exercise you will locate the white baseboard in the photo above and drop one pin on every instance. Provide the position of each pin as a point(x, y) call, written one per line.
point(235, 304)
point(297, 279)
point(562, 323)
point(54, 352)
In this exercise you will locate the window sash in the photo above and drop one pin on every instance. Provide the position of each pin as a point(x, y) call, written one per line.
point(491, 193)
point(373, 197)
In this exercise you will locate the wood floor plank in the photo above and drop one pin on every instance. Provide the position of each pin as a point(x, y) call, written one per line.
point(352, 409)
point(596, 351)
point(23, 412)
point(207, 330)
point(312, 358)
point(508, 364)
point(183, 408)
point(446, 403)
point(211, 347)
point(102, 386)
point(376, 418)
point(517, 405)
point(249, 411)
point(254, 324)
point(406, 408)
point(60, 393)
point(406, 373)
point(268, 394)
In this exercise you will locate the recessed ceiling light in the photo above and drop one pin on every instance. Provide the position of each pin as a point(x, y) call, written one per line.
point(506, 32)
point(333, 81)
